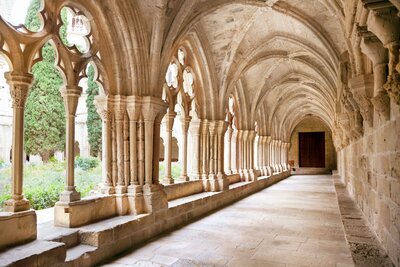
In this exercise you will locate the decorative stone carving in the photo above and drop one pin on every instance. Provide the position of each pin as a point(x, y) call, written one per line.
point(381, 103)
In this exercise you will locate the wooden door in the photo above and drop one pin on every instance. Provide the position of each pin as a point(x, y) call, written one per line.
point(312, 149)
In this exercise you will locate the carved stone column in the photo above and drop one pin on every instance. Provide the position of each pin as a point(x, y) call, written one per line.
point(204, 149)
point(239, 153)
point(169, 123)
point(217, 177)
point(227, 155)
point(245, 170)
point(362, 89)
point(155, 198)
point(384, 22)
point(185, 127)
point(119, 110)
point(71, 95)
point(269, 155)
point(194, 131)
point(234, 151)
point(135, 188)
point(106, 115)
point(373, 48)
point(19, 88)
point(252, 135)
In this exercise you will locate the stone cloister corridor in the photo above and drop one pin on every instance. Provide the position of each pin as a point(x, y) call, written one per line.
point(270, 126)
point(302, 229)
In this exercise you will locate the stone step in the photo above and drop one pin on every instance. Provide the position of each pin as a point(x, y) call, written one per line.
point(35, 253)
point(77, 255)
point(48, 232)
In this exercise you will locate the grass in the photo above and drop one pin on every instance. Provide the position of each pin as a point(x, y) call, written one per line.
point(176, 170)
point(43, 183)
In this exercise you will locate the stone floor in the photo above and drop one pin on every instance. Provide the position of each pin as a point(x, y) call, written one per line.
point(293, 223)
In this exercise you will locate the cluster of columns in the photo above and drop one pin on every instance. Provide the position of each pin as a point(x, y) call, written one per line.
point(169, 123)
point(212, 134)
point(240, 146)
point(272, 155)
point(131, 130)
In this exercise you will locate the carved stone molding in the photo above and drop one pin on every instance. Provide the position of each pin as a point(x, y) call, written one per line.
point(392, 87)
point(381, 103)
point(362, 88)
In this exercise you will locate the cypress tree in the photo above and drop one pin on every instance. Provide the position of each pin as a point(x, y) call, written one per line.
point(44, 113)
point(93, 118)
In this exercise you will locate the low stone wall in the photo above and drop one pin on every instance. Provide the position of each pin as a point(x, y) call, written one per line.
point(234, 178)
point(184, 189)
point(17, 228)
point(112, 239)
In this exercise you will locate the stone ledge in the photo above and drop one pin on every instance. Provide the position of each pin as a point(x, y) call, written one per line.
point(17, 228)
point(183, 189)
point(36, 253)
point(84, 211)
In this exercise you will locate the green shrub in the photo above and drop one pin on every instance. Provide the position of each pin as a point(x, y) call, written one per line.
point(86, 163)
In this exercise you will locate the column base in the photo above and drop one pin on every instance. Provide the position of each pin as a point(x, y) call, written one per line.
point(253, 176)
point(13, 205)
point(120, 189)
point(70, 196)
point(167, 180)
point(122, 203)
point(269, 170)
point(135, 199)
point(184, 178)
point(155, 199)
point(17, 228)
point(107, 190)
point(246, 175)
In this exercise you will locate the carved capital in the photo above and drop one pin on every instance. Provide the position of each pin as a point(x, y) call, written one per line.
point(19, 87)
point(392, 87)
point(381, 103)
point(71, 96)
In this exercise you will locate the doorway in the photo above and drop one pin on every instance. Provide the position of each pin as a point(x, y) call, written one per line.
point(312, 149)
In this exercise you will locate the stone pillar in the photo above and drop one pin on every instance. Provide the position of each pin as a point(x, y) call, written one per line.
point(217, 178)
point(19, 88)
point(245, 153)
point(185, 127)
point(269, 155)
point(263, 149)
point(239, 153)
point(119, 110)
point(279, 150)
point(373, 48)
point(106, 115)
point(155, 199)
point(71, 95)
point(204, 149)
point(234, 151)
point(227, 154)
point(169, 123)
point(194, 130)
point(252, 135)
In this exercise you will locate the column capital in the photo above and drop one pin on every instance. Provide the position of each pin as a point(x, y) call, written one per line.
point(153, 107)
point(185, 122)
point(19, 87)
point(133, 107)
point(102, 108)
point(269, 139)
point(71, 96)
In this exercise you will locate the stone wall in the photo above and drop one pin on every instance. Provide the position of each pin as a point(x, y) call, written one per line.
point(370, 167)
point(313, 125)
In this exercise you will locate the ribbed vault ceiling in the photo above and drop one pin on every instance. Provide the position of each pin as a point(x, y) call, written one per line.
point(278, 58)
